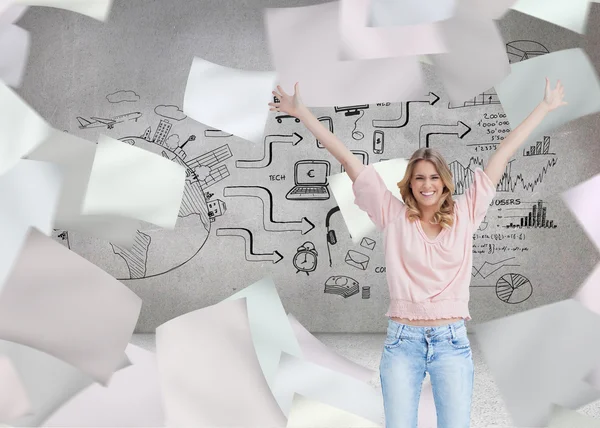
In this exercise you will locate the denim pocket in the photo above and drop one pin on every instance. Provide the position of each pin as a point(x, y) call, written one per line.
point(391, 341)
point(460, 342)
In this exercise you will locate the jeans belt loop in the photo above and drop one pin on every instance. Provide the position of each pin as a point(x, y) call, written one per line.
point(452, 331)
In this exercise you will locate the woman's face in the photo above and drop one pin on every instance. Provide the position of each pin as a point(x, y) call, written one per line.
point(426, 184)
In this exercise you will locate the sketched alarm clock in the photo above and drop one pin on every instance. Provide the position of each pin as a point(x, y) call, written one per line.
point(305, 259)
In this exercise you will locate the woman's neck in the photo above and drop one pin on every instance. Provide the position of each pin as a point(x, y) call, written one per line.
point(427, 214)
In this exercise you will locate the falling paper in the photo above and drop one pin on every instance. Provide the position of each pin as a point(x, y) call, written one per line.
point(565, 418)
point(59, 303)
point(271, 330)
point(209, 372)
point(48, 381)
point(296, 375)
point(571, 15)
point(476, 58)
point(315, 351)
point(584, 202)
point(30, 194)
point(10, 13)
point(358, 222)
point(357, 41)
point(234, 101)
point(14, 402)
point(97, 9)
point(523, 89)
point(536, 360)
point(325, 81)
point(391, 13)
point(134, 182)
point(308, 413)
point(21, 129)
point(75, 157)
point(131, 399)
point(14, 49)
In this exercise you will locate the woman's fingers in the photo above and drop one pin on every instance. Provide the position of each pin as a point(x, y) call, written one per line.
point(280, 89)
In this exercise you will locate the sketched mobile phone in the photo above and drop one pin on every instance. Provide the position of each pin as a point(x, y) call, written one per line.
point(378, 142)
point(328, 123)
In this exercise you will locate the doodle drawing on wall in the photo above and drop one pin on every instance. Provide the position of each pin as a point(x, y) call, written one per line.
point(310, 178)
point(108, 123)
point(305, 259)
point(341, 285)
point(249, 253)
point(357, 260)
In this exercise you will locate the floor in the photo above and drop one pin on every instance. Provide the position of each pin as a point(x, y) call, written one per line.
point(365, 349)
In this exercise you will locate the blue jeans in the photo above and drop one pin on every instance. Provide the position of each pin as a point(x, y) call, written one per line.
point(445, 353)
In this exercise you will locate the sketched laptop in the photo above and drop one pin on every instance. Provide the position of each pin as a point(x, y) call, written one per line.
point(310, 177)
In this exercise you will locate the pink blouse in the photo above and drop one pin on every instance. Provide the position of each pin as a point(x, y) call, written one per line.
point(427, 278)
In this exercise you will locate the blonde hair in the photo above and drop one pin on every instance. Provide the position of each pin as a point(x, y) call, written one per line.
point(444, 216)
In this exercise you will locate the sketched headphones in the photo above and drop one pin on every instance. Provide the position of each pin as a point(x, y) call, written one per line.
point(331, 238)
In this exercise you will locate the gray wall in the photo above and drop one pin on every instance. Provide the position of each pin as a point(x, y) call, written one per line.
point(78, 66)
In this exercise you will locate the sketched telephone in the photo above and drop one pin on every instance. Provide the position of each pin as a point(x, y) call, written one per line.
point(331, 238)
point(328, 123)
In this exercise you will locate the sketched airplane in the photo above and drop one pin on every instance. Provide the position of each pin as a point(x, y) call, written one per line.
point(99, 122)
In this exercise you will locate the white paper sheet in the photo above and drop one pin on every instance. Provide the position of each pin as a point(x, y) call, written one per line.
point(392, 13)
point(308, 413)
point(97, 9)
point(358, 41)
point(572, 14)
point(131, 399)
point(234, 101)
point(358, 222)
point(134, 182)
point(22, 129)
point(10, 13)
point(523, 89)
point(476, 59)
point(271, 330)
point(565, 418)
point(315, 351)
point(75, 157)
point(584, 202)
point(296, 375)
point(14, 401)
point(209, 372)
point(14, 52)
point(30, 193)
point(48, 381)
point(59, 303)
point(325, 81)
point(536, 360)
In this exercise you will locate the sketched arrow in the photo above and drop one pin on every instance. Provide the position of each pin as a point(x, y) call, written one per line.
point(398, 123)
point(251, 256)
point(460, 130)
point(292, 139)
point(265, 195)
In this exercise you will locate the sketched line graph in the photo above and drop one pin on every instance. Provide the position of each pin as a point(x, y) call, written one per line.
point(508, 184)
point(486, 269)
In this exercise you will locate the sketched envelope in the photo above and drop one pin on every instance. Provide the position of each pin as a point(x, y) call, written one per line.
point(356, 259)
point(367, 243)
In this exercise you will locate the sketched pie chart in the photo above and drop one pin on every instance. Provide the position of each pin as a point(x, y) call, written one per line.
point(155, 251)
point(513, 288)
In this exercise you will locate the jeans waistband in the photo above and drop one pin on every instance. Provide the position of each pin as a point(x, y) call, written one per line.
point(453, 330)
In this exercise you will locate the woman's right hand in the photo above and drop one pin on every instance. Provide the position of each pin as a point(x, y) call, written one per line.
point(288, 104)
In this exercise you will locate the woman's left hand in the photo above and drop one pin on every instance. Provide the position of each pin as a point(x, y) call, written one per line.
point(553, 98)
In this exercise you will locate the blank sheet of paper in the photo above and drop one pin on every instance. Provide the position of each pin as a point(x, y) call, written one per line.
point(523, 89)
point(572, 14)
point(30, 193)
point(584, 202)
point(131, 399)
point(358, 41)
point(209, 372)
point(271, 330)
point(14, 45)
point(56, 301)
point(325, 81)
point(14, 401)
point(22, 129)
point(358, 222)
point(134, 182)
point(232, 100)
point(391, 13)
